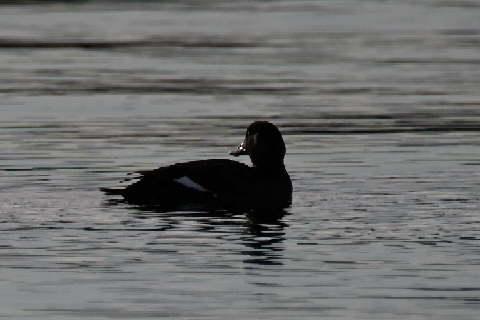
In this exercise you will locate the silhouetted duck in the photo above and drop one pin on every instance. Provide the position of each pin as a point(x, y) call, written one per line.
point(266, 184)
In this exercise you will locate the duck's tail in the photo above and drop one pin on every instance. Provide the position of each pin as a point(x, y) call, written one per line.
point(113, 191)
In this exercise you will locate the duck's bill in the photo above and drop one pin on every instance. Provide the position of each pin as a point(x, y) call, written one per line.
point(239, 151)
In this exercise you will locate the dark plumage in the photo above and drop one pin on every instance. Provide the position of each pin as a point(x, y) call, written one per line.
point(266, 184)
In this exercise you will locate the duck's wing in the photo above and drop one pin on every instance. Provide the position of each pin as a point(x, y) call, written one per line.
point(190, 181)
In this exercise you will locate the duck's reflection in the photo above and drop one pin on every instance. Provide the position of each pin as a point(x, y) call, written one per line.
point(266, 235)
point(262, 232)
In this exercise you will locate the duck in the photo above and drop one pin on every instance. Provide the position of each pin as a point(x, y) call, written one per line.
point(224, 182)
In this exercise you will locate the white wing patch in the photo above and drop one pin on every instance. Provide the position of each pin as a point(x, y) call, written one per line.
point(189, 183)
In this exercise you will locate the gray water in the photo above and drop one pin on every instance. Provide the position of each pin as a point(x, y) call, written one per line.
point(379, 105)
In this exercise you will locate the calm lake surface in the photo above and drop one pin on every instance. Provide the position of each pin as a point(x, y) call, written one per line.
point(379, 104)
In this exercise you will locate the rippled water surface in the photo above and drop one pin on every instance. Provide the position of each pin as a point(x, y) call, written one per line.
point(380, 109)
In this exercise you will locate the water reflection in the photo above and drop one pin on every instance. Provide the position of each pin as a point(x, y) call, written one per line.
point(266, 235)
point(262, 232)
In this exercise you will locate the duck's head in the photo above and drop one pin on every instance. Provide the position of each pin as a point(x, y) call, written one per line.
point(263, 143)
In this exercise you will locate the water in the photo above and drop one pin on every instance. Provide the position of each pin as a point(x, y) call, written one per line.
point(379, 106)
